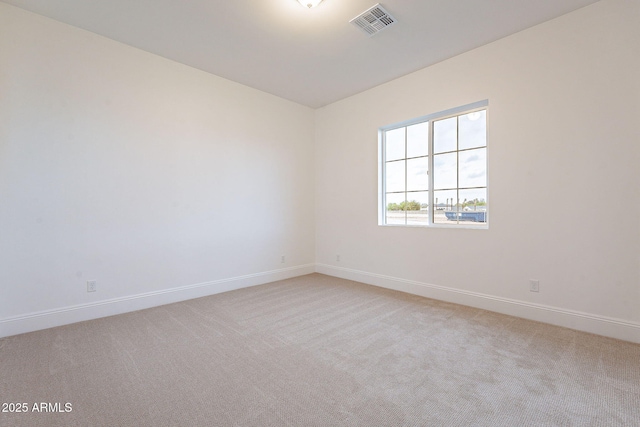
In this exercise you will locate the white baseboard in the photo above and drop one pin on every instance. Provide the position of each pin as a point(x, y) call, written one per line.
point(586, 322)
point(78, 313)
point(600, 325)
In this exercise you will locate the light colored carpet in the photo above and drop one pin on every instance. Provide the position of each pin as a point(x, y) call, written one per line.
point(319, 351)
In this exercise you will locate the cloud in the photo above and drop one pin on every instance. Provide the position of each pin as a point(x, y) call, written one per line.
point(479, 174)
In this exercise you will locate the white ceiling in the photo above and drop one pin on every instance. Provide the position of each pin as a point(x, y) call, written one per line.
point(310, 56)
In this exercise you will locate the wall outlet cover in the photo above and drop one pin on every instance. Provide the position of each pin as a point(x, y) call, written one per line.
point(92, 285)
point(534, 285)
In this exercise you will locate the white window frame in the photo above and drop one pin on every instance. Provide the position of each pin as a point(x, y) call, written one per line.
point(431, 118)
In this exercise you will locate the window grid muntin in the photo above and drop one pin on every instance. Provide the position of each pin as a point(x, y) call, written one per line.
point(431, 119)
point(405, 160)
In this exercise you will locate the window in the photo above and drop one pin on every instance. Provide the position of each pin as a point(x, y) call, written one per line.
point(433, 170)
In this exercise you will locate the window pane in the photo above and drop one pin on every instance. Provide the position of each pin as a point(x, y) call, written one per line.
point(473, 130)
point(418, 140)
point(418, 208)
point(474, 205)
point(445, 135)
point(394, 144)
point(445, 171)
point(473, 168)
point(395, 176)
point(444, 201)
point(418, 174)
point(394, 212)
point(435, 172)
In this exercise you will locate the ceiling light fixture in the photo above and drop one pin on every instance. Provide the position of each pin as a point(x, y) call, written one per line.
point(309, 3)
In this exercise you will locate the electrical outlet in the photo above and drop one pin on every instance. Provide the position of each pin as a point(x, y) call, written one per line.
point(338, 258)
point(92, 285)
point(534, 285)
point(282, 259)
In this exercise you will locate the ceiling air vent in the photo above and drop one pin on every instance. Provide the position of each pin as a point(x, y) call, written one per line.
point(373, 20)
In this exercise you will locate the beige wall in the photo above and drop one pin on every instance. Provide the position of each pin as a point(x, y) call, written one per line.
point(141, 173)
point(564, 146)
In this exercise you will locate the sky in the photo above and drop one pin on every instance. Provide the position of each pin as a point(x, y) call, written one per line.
point(466, 168)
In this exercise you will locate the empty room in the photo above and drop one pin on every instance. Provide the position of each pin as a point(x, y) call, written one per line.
point(319, 213)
